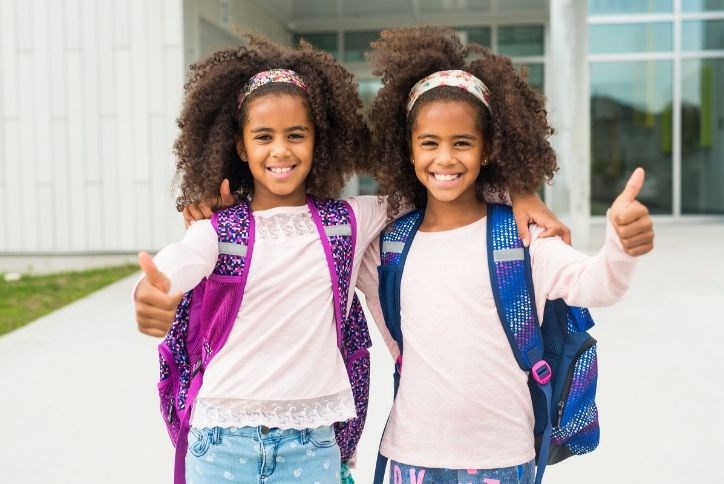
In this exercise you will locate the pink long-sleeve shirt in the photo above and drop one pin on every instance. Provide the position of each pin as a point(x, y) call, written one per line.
point(463, 402)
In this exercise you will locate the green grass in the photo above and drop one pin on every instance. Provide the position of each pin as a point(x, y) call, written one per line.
point(34, 296)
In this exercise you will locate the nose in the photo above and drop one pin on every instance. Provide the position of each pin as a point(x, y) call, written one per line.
point(445, 156)
point(279, 148)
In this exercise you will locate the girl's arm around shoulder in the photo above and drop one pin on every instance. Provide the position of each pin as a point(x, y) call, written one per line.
point(371, 214)
point(528, 209)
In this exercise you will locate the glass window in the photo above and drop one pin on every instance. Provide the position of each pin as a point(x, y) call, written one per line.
point(631, 125)
point(702, 35)
point(310, 8)
point(702, 5)
point(326, 41)
point(357, 43)
point(447, 6)
point(617, 7)
point(477, 35)
point(520, 40)
point(702, 136)
point(535, 75)
point(367, 185)
point(371, 8)
point(367, 89)
point(648, 37)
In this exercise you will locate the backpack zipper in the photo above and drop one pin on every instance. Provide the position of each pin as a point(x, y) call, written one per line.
point(569, 379)
point(167, 355)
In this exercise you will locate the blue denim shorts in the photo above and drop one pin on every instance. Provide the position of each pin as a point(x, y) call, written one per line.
point(406, 474)
point(262, 455)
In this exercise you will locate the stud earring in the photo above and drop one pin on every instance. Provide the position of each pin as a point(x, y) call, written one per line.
point(485, 161)
point(412, 161)
point(243, 157)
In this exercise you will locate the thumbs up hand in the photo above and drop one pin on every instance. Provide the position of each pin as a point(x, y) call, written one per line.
point(631, 218)
point(155, 308)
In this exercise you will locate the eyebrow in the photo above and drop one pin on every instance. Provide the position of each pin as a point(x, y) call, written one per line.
point(291, 128)
point(457, 136)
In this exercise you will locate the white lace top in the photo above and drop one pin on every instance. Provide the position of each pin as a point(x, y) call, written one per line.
point(280, 366)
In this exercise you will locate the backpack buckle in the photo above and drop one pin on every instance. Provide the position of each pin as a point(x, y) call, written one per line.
point(196, 368)
point(542, 372)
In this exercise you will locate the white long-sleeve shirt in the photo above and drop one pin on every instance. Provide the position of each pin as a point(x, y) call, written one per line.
point(280, 366)
point(463, 402)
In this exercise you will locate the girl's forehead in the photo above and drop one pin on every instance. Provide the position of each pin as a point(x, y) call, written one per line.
point(445, 112)
point(277, 107)
point(272, 100)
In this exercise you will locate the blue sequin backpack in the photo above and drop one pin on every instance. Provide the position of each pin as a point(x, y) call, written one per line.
point(206, 314)
point(559, 355)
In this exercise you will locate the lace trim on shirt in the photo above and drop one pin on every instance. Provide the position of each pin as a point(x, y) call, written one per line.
point(285, 414)
point(284, 225)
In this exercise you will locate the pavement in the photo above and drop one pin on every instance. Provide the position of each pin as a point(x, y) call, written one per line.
point(78, 399)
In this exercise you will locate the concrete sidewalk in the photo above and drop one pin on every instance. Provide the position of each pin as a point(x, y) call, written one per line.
point(79, 406)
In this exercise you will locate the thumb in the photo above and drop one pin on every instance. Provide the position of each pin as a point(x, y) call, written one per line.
point(632, 188)
point(154, 276)
point(227, 199)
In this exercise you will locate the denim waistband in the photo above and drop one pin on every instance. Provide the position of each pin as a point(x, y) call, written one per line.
point(259, 432)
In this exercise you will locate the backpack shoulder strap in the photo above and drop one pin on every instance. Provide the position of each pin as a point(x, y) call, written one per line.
point(512, 284)
point(235, 231)
point(337, 229)
point(395, 243)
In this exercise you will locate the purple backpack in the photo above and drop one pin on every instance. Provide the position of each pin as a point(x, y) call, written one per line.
point(206, 314)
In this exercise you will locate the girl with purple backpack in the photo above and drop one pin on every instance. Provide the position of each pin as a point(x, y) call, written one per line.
point(283, 126)
point(449, 120)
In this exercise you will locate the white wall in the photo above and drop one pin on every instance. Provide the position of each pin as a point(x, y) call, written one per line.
point(89, 93)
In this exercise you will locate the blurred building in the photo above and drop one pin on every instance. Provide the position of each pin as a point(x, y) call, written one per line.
point(89, 91)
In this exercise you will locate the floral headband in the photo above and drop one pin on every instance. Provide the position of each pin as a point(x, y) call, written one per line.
point(266, 77)
point(456, 78)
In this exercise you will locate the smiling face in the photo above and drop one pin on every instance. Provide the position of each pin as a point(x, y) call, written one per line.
point(448, 149)
point(277, 142)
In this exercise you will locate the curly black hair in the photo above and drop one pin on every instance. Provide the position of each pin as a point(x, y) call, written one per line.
point(209, 122)
point(515, 134)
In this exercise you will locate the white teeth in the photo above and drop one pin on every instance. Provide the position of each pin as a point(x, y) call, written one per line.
point(286, 169)
point(444, 178)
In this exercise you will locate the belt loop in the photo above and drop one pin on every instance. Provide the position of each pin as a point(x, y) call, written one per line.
point(304, 436)
point(216, 437)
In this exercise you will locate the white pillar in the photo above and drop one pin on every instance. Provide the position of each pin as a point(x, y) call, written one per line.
point(567, 87)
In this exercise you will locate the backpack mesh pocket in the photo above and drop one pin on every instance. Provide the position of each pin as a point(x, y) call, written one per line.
point(167, 391)
point(575, 421)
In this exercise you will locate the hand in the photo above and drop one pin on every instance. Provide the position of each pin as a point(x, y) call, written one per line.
point(205, 208)
point(155, 308)
point(528, 208)
point(631, 218)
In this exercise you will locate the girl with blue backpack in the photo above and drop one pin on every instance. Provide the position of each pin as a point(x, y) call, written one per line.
point(268, 321)
point(448, 120)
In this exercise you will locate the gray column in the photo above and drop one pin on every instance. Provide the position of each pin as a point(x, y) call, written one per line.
point(567, 87)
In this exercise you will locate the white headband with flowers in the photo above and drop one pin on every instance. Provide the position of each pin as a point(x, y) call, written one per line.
point(454, 78)
point(265, 77)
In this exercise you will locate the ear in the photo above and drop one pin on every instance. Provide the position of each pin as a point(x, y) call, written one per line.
point(239, 143)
